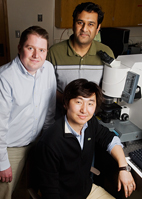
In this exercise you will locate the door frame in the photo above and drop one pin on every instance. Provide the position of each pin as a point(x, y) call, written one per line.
point(6, 30)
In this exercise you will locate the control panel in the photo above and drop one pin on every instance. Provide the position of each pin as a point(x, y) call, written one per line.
point(131, 82)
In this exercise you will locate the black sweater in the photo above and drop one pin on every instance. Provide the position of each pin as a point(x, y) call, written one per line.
point(63, 168)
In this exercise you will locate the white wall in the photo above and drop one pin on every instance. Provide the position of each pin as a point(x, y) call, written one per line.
point(23, 13)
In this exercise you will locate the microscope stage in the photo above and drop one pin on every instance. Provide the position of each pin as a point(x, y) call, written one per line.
point(125, 130)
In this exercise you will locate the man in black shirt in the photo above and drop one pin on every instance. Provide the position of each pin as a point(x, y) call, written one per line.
point(64, 153)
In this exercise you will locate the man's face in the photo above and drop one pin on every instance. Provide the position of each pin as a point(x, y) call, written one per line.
point(85, 27)
point(80, 110)
point(33, 53)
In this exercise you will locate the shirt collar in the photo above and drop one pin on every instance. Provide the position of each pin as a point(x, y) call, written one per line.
point(71, 52)
point(23, 69)
point(69, 129)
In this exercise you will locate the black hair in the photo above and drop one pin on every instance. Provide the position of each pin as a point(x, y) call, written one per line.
point(84, 88)
point(88, 7)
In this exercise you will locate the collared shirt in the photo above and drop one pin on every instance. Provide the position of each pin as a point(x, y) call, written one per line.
point(80, 138)
point(69, 65)
point(26, 103)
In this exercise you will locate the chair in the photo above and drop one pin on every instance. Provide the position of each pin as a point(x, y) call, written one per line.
point(34, 194)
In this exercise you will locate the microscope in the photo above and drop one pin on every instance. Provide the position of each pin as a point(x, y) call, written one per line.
point(121, 110)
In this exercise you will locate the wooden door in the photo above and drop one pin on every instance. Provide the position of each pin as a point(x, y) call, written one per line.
point(4, 39)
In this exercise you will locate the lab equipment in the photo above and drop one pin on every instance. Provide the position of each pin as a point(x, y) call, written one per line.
point(121, 86)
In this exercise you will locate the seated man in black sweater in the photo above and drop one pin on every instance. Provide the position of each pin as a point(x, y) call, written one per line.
point(64, 153)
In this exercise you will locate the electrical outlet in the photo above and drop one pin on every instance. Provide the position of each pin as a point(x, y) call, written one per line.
point(39, 17)
point(17, 33)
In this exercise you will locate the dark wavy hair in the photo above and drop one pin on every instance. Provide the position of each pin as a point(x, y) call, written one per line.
point(88, 7)
point(84, 88)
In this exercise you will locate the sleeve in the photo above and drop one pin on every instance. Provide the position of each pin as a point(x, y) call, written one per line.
point(52, 101)
point(47, 166)
point(109, 51)
point(5, 110)
point(115, 141)
point(111, 54)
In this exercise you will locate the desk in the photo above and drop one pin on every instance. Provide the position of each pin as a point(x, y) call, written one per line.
point(109, 171)
point(128, 147)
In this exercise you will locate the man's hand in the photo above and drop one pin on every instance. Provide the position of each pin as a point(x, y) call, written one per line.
point(125, 178)
point(6, 175)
